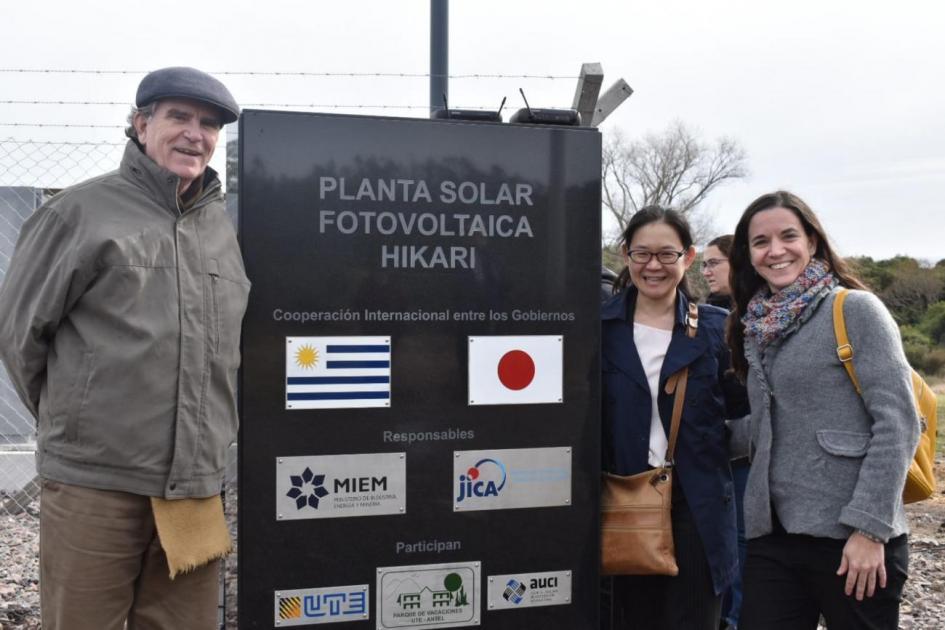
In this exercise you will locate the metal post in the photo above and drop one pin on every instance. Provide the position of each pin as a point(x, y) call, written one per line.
point(588, 89)
point(439, 53)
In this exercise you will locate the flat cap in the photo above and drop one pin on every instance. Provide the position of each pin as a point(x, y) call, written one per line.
point(183, 82)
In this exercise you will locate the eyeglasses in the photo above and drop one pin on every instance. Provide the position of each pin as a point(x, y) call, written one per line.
point(665, 257)
point(712, 263)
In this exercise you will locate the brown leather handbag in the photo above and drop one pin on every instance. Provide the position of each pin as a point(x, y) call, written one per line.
point(636, 518)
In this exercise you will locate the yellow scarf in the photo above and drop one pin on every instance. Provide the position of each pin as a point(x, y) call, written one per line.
point(193, 532)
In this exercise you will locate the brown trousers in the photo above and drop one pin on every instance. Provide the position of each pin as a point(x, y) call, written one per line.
point(101, 564)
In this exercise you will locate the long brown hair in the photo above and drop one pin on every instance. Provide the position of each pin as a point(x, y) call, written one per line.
point(745, 281)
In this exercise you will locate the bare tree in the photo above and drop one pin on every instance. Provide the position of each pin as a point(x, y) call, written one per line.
point(673, 168)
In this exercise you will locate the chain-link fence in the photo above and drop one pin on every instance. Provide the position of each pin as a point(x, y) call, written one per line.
point(30, 172)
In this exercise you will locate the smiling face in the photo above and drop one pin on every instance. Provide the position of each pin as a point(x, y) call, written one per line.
point(655, 280)
point(180, 136)
point(780, 248)
point(715, 270)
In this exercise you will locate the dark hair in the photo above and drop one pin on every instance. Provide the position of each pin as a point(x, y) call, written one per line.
point(724, 243)
point(746, 282)
point(645, 216)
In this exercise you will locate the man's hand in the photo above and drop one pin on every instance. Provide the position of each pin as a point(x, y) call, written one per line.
point(863, 563)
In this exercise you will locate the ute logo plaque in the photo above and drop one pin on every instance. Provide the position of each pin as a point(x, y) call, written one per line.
point(333, 604)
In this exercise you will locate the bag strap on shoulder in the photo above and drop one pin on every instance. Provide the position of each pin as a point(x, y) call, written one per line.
point(844, 348)
point(676, 385)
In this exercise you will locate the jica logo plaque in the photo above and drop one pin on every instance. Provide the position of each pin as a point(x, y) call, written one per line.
point(502, 479)
point(485, 479)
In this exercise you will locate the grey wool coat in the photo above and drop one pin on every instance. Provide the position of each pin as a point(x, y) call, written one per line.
point(828, 460)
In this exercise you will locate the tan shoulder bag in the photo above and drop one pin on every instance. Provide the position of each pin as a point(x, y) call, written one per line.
point(636, 519)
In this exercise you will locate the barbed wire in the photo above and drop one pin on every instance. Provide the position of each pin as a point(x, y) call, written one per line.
point(62, 125)
point(276, 73)
point(62, 142)
point(312, 105)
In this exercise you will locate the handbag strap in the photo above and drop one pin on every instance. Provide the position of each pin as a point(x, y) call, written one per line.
point(676, 384)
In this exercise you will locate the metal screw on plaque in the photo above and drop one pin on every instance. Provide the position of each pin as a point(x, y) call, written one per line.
point(566, 501)
point(491, 580)
point(279, 517)
point(567, 573)
point(280, 460)
point(559, 400)
point(401, 508)
point(491, 605)
point(402, 455)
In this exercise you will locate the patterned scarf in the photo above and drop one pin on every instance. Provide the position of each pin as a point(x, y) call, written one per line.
point(770, 315)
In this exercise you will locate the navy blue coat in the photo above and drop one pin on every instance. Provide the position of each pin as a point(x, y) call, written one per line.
point(702, 458)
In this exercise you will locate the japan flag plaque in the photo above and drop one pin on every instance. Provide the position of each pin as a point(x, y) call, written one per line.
point(515, 369)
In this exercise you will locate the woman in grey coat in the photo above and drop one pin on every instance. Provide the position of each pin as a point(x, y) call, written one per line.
point(824, 515)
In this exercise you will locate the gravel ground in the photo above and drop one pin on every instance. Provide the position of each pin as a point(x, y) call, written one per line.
point(923, 608)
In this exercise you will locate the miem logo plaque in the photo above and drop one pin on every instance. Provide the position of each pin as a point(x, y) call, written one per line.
point(332, 486)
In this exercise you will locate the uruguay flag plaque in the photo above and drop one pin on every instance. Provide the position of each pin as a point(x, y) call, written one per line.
point(337, 372)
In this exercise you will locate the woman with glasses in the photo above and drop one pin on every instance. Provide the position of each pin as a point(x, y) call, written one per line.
point(823, 509)
point(644, 342)
point(715, 269)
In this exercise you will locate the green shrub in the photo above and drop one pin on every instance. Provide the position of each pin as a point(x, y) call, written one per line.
point(935, 362)
point(919, 350)
point(932, 323)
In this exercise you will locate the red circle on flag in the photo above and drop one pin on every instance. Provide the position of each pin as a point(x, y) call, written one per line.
point(516, 369)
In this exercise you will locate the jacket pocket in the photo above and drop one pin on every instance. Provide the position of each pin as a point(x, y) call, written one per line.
point(79, 395)
point(228, 299)
point(844, 443)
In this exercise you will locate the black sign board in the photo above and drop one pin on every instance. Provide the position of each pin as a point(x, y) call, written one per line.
point(420, 385)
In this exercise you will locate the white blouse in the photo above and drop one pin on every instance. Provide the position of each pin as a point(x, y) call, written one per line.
point(652, 344)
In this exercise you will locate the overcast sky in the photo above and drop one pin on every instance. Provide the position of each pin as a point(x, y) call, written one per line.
point(842, 102)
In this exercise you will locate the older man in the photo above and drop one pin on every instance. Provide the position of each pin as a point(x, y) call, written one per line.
point(119, 326)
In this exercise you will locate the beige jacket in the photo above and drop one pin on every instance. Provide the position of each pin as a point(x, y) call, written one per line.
point(119, 326)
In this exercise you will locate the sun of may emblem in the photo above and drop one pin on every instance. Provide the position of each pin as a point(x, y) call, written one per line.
point(306, 357)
